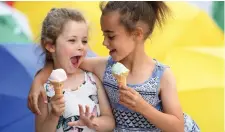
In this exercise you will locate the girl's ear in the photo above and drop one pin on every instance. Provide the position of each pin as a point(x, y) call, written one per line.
point(138, 33)
point(50, 47)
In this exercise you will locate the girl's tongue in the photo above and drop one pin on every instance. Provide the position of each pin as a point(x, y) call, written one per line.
point(74, 60)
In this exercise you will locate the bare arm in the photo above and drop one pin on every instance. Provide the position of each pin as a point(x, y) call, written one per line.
point(95, 65)
point(172, 119)
point(37, 88)
point(106, 121)
point(46, 122)
point(42, 76)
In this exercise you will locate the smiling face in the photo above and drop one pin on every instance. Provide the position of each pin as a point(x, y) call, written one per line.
point(127, 24)
point(116, 38)
point(71, 46)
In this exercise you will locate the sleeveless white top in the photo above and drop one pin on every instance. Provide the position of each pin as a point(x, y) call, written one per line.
point(86, 94)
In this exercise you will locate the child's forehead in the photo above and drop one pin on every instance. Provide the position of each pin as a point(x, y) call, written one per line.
point(74, 24)
point(113, 16)
point(75, 27)
point(110, 20)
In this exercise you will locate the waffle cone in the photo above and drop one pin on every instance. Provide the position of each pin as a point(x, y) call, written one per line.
point(58, 86)
point(122, 78)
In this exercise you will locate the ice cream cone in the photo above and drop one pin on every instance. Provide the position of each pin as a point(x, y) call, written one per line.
point(58, 86)
point(120, 72)
point(122, 78)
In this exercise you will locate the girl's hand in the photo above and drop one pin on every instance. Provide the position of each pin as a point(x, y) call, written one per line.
point(37, 88)
point(33, 96)
point(86, 118)
point(131, 98)
point(58, 105)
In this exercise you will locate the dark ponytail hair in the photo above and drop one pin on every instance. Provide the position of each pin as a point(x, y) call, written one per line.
point(131, 12)
point(160, 10)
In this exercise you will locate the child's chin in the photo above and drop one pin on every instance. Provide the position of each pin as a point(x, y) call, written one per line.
point(116, 58)
point(71, 70)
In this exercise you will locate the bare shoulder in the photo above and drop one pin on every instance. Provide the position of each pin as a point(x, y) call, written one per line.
point(168, 74)
point(97, 81)
point(168, 79)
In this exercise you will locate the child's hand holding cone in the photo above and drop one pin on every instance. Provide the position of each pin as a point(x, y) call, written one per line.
point(127, 96)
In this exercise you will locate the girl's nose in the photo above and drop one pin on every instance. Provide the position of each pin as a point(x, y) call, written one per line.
point(80, 46)
point(105, 42)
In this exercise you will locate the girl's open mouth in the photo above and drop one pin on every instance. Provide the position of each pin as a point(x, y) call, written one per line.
point(75, 60)
point(112, 51)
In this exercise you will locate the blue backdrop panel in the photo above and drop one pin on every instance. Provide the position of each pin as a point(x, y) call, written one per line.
point(18, 65)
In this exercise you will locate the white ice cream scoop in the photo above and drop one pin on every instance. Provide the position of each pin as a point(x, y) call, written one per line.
point(57, 79)
point(58, 75)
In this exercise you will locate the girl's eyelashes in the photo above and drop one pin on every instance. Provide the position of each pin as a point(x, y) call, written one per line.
point(111, 37)
point(84, 41)
point(72, 40)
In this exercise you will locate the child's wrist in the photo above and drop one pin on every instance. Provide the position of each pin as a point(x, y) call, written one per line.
point(94, 124)
point(143, 106)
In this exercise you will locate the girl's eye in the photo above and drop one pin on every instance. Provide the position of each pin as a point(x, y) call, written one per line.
point(85, 42)
point(111, 37)
point(72, 40)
